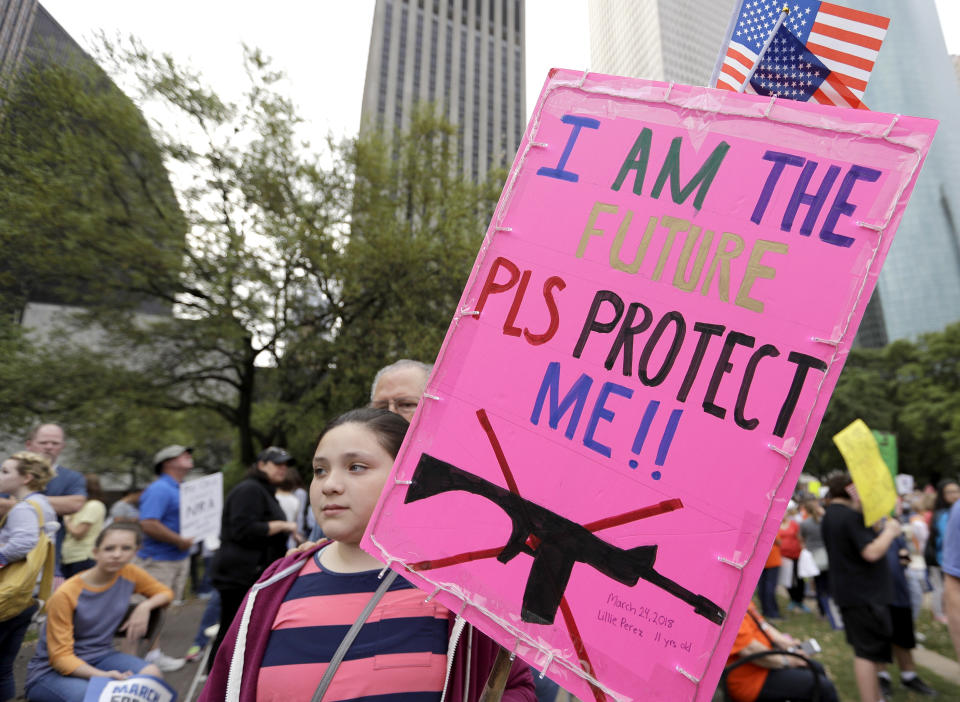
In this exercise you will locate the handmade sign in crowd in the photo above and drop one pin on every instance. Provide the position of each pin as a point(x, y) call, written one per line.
point(201, 506)
point(641, 358)
point(861, 452)
point(137, 688)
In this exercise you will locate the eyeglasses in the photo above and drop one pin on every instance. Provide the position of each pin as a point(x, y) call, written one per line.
point(400, 405)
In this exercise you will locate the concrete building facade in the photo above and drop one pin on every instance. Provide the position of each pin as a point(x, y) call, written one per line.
point(464, 56)
point(669, 40)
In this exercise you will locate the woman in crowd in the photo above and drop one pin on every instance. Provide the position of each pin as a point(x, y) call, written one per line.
point(813, 540)
point(767, 585)
point(774, 677)
point(127, 508)
point(291, 506)
point(294, 619)
point(253, 533)
point(83, 527)
point(22, 476)
point(948, 491)
point(791, 544)
point(76, 642)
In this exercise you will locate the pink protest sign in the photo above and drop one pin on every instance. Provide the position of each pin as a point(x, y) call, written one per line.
point(641, 358)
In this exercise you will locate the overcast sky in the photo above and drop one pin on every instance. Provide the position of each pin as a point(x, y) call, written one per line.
point(322, 44)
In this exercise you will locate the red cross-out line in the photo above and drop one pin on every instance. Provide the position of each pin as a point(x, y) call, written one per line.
point(501, 459)
point(578, 646)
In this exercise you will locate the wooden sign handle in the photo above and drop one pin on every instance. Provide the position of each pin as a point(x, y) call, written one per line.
point(497, 680)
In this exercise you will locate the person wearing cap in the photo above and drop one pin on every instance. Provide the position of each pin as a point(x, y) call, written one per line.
point(253, 534)
point(164, 553)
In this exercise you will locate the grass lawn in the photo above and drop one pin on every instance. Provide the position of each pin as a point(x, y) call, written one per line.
point(837, 656)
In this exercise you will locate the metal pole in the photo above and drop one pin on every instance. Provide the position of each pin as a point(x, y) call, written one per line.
point(766, 45)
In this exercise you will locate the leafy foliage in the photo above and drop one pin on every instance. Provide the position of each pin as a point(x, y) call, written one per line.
point(285, 278)
point(911, 389)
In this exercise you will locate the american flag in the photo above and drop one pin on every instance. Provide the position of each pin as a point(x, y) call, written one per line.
point(788, 69)
point(844, 40)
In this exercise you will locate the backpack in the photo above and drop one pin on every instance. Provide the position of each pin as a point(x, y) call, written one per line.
point(18, 579)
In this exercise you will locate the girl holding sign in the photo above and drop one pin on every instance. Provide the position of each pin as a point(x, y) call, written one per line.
point(76, 642)
point(292, 623)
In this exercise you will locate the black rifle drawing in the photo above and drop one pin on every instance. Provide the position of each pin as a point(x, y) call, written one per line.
point(554, 542)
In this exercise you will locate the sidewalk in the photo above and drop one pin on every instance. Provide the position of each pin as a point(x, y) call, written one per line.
point(179, 629)
point(946, 668)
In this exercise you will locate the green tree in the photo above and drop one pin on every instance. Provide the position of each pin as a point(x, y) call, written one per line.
point(87, 213)
point(298, 274)
point(416, 226)
point(911, 389)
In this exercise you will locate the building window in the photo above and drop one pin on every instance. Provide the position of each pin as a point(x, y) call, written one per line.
point(434, 50)
point(518, 121)
point(490, 93)
point(504, 99)
point(418, 57)
point(475, 137)
point(401, 67)
point(384, 63)
point(462, 101)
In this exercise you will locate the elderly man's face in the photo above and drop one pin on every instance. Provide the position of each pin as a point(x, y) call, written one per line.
point(48, 441)
point(399, 391)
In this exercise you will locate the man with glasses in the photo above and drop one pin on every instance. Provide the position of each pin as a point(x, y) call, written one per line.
point(399, 387)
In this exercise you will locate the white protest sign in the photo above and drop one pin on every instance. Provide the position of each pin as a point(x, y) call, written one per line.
point(138, 688)
point(904, 483)
point(201, 504)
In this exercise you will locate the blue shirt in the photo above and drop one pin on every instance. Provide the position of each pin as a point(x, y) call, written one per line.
point(65, 482)
point(951, 542)
point(161, 501)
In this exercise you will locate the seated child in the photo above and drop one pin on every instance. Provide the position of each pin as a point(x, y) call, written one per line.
point(76, 642)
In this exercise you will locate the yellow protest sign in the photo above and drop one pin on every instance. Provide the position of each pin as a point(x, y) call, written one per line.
point(813, 487)
point(878, 495)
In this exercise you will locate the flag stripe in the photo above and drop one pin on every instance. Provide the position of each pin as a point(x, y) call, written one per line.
point(736, 78)
point(841, 23)
point(855, 15)
point(834, 60)
point(847, 36)
point(830, 96)
point(856, 86)
point(844, 92)
point(741, 58)
point(820, 97)
point(736, 65)
point(854, 52)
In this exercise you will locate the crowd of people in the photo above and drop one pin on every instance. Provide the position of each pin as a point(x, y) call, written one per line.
point(286, 578)
point(869, 581)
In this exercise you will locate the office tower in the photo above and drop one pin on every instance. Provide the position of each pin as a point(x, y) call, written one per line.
point(670, 40)
point(919, 286)
point(920, 281)
point(466, 57)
